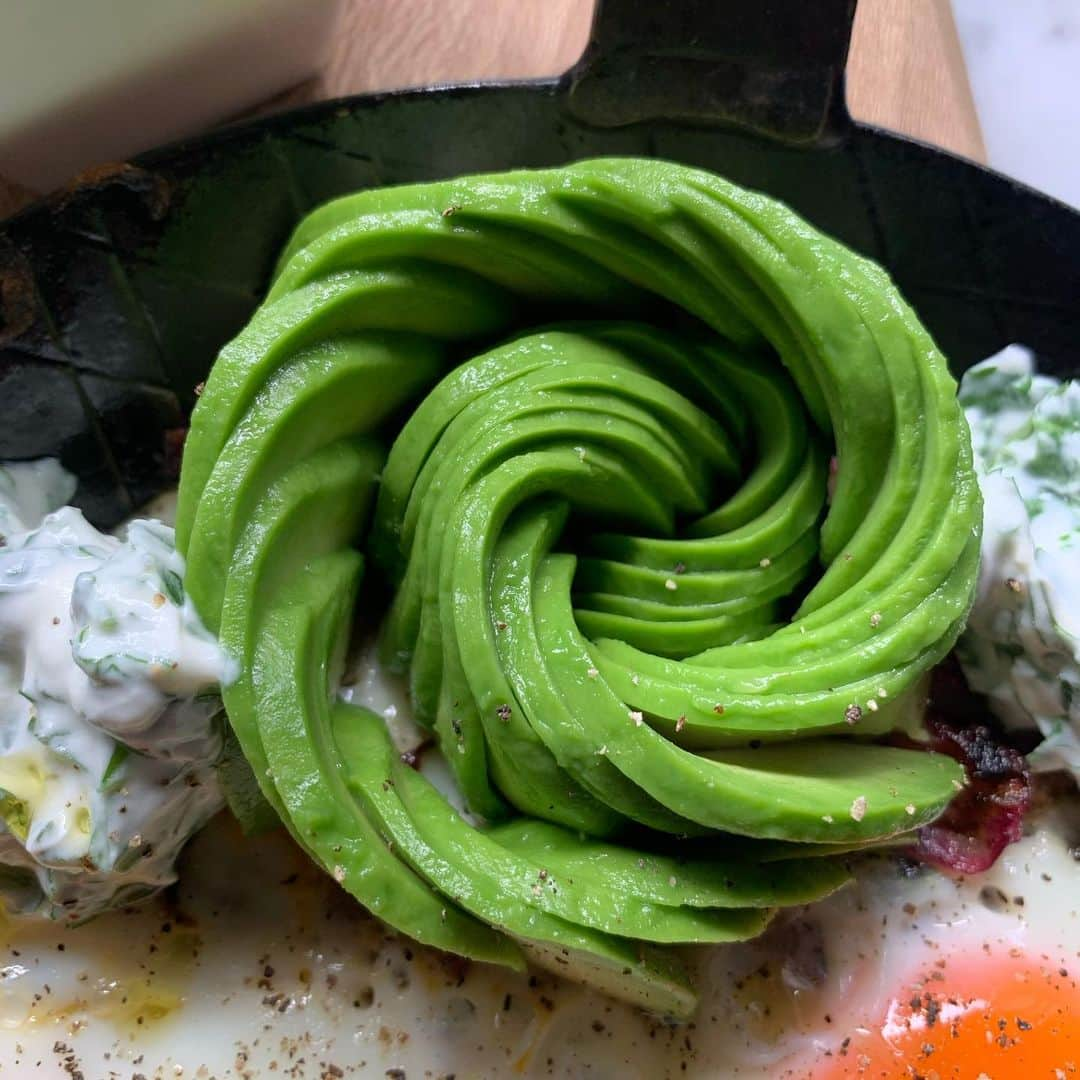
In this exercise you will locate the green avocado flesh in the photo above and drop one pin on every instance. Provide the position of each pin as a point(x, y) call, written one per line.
point(577, 425)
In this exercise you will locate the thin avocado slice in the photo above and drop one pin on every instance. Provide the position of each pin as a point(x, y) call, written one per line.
point(311, 510)
point(699, 882)
point(778, 852)
point(643, 975)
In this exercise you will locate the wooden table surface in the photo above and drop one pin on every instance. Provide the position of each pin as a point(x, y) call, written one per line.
point(906, 71)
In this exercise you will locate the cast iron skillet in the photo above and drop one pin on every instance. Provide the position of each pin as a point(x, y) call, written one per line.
point(118, 292)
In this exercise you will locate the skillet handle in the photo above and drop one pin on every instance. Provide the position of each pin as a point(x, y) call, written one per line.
point(775, 67)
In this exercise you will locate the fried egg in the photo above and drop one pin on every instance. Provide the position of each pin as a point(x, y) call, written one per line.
point(257, 965)
point(912, 972)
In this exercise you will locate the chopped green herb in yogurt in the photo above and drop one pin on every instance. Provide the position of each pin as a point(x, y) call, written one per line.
point(110, 722)
point(1022, 644)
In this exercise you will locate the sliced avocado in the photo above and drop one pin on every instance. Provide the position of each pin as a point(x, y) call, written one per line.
point(312, 509)
point(405, 304)
point(520, 896)
point(564, 420)
point(501, 885)
point(276, 588)
point(314, 399)
point(696, 675)
point(565, 731)
point(296, 656)
point(811, 790)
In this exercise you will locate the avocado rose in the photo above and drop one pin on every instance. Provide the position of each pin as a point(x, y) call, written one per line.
point(579, 424)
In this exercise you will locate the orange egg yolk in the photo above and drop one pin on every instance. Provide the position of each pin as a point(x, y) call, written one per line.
point(1009, 1017)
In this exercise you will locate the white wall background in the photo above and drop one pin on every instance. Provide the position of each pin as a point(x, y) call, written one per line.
point(1023, 58)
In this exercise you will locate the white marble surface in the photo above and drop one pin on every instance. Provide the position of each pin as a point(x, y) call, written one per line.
point(1023, 58)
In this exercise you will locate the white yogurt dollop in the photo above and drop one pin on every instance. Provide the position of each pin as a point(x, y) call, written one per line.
point(1022, 643)
point(110, 721)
